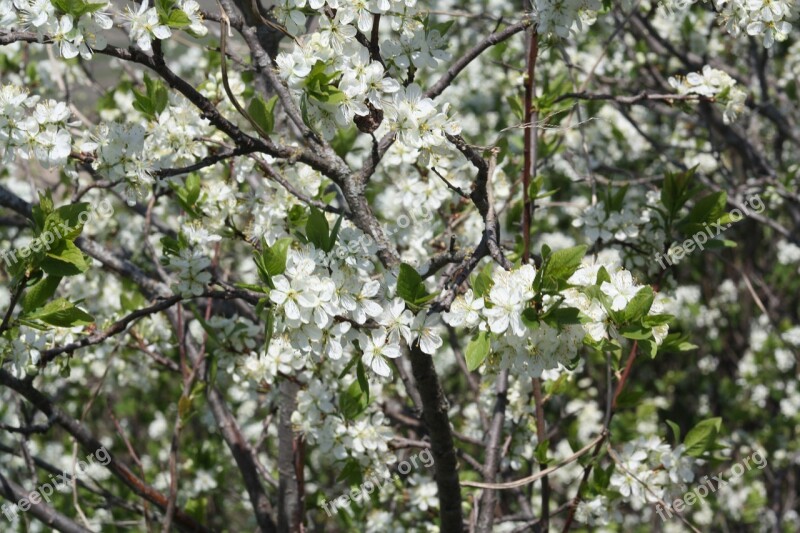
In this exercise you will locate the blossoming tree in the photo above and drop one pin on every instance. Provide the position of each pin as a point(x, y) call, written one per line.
point(262, 254)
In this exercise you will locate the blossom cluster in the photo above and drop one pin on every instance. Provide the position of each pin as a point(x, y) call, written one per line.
point(529, 347)
point(650, 471)
point(561, 17)
point(72, 34)
point(768, 19)
point(326, 304)
point(33, 128)
point(713, 83)
point(129, 153)
point(339, 81)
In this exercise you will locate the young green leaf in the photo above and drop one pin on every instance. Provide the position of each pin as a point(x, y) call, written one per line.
point(65, 260)
point(274, 257)
point(562, 264)
point(36, 296)
point(411, 288)
point(639, 305)
point(262, 113)
point(61, 313)
point(477, 350)
point(317, 229)
point(353, 401)
point(702, 437)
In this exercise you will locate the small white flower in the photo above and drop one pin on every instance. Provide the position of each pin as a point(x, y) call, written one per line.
point(464, 311)
point(376, 350)
point(621, 289)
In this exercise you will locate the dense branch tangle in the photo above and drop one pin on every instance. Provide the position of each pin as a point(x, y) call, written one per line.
point(271, 326)
point(317, 154)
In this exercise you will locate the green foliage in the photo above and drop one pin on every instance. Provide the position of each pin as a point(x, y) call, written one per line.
point(677, 190)
point(355, 398)
point(61, 313)
point(707, 210)
point(702, 438)
point(344, 141)
point(558, 266)
point(411, 288)
point(319, 233)
point(153, 101)
point(477, 350)
point(77, 8)
point(320, 86)
point(38, 294)
point(189, 194)
point(482, 282)
point(263, 113)
point(271, 261)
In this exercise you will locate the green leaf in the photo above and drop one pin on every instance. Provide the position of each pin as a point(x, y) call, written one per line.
point(482, 283)
point(708, 209)
point(676, 190)
point(411, 288)
point(130, 299)
point(153, 101)
point(477, 350)
point(648, 347)
point(702, 437)
point(442, 27)
point(540, 453)
point(178, 19)
point(37, 295)
point(43, 209)
point(317, 229)
point(275, 256)
point(361, 375)
point(535, 186)
point(71, 216)
point(62, 313)
point(602, 476)
point(636, 332)
point(159, 97)
point(334, 233)
point(602, 275)
point(651, 321)
point(721, 243)
point(563, 263)
point(65, 260)
point(639, 305)
point(676, 430)
point(344, 140)
point(319, 86)
point(350, 364)
point(530, 318)
point(561, 316)
point(77, 8)
point(269, 329)
point(262, 112)
point(171, 246)
point(615, 201)
point(351, 473)
point(184, 407)
point(192, 188)
point(164, 6)
point(515, 102)
point(353, 401)
point(677, 342)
